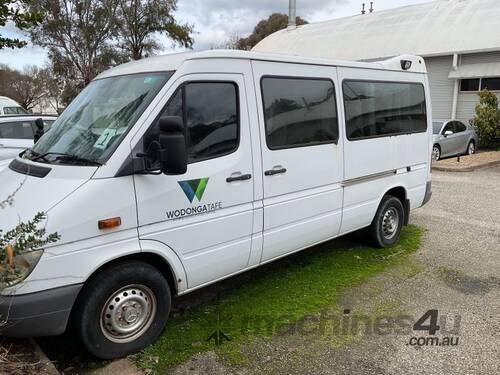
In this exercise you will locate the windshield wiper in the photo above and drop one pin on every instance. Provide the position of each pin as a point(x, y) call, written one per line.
point(67, 158)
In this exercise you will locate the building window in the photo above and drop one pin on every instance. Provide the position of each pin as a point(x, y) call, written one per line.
point(299, 112)
point(478, 84)
point(469, 84)
point(378, 109)
point(492, 84)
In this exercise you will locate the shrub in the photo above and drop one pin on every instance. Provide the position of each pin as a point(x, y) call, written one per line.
point(24, 238)
point(486, 122)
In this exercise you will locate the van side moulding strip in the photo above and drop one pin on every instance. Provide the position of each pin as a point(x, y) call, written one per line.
point(371, 177)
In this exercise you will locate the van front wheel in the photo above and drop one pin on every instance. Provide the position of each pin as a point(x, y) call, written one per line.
point(122, 310)
point(385, 229)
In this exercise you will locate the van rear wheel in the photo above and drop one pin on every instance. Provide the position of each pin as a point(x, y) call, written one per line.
point(385, 229)
point(122, 310)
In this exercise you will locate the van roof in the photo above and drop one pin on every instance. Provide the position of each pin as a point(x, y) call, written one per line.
point(6, 101)
point(172, 62)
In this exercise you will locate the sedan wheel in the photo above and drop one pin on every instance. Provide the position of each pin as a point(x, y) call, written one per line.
point(471, 149)
point(436, 153)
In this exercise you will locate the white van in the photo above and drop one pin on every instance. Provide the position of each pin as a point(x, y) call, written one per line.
point(9, 107)
point(171, 173)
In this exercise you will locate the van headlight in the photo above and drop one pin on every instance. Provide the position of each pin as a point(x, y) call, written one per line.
point(22, 265)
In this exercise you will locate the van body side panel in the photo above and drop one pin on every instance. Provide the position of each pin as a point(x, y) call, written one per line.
point(211, 231)
point(77, 262)
point(375, 165)
point(303, 205)
point(171, 258)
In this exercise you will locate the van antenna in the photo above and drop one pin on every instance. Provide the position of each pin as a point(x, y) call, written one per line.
point(371, 6)
point(363, 11)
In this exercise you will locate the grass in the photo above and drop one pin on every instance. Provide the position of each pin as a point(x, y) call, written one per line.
point(280, 294)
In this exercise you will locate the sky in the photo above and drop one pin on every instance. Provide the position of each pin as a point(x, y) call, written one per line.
point(215, 21)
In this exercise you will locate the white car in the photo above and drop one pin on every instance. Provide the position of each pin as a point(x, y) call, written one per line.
point(17, 133)
point(9, 107)
point(170, 173)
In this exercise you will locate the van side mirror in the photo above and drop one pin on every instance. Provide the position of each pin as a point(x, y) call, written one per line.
point(172, 152)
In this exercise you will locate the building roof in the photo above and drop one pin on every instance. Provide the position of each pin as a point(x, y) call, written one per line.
point(173, 61)
point(437, 28)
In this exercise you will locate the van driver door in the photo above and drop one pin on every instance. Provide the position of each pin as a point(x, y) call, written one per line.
point(206, 214)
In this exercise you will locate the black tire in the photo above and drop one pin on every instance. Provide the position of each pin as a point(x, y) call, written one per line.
point(91, 322)
point(381, 232)
point(436, 153)
point(471, 148)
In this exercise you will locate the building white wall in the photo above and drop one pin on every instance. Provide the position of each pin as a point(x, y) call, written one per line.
point(441, 86)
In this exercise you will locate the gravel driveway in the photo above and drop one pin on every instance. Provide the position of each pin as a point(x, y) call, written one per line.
point(457, 272)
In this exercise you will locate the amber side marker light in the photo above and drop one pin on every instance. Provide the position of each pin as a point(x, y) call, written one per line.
point(110, 223)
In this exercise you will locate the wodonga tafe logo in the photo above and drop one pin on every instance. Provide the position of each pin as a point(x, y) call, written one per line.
point(194, 189)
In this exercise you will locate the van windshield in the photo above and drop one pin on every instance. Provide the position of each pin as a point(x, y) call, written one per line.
point(98, 119)
point(15, 111)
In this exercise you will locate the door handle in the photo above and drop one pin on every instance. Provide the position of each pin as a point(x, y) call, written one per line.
point(274, 171)
point(242, 177)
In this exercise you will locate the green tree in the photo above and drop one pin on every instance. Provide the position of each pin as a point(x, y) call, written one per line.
point(140, 21)
point(487, 119)
point(78, 35)
point(275, 22)
point(27, 87)
point(15, 11)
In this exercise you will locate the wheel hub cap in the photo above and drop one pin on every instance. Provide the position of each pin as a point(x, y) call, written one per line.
point(390, 223)
point(128, 313)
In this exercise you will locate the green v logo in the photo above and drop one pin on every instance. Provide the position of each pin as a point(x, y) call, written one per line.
point(194, 188)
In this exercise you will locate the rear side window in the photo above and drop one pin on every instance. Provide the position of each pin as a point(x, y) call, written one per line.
point(299, 112)
point(211, 118)
point(377, 109)
point(459, 127)
point(16, 130)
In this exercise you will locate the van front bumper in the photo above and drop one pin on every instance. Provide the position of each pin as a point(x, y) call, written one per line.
point(44, 313)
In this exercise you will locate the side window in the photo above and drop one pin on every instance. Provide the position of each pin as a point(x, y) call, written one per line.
point(377, 109)
point(15, 111)
point(492, 84)
point(459, 127)
point(299, 112)
point(16, 130)
point(211, 118)
point(449, 127)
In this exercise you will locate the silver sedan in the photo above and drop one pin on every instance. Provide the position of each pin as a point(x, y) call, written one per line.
point(452, 138)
